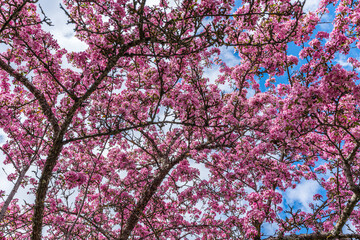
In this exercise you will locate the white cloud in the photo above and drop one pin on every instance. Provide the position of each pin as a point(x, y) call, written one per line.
point(3, 136)
point(171, 3)
point(349, 228)
point(152, 2)
point(62, 32)
point(228, 55)
point(342, 60)
point(250, 93)
point(303, 194)
point(68, 41)
point(204, 171)
point(269, 229)
point(311, 5)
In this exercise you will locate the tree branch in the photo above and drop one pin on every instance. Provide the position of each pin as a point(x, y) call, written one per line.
point(46, 109)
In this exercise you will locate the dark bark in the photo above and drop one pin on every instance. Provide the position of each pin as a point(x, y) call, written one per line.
point(42, 189)
point(345, 214)
point(144, 200)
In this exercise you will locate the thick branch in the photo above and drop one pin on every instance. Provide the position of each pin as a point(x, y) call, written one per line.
point(144, 199)
point(159, 177)
point(43, 187)
point(46, 109)
point(345, 214)
point(347, 170)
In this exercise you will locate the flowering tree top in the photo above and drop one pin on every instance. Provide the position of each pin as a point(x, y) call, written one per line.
point(128, 138)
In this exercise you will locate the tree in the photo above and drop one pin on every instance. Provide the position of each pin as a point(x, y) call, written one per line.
point(113, 142)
